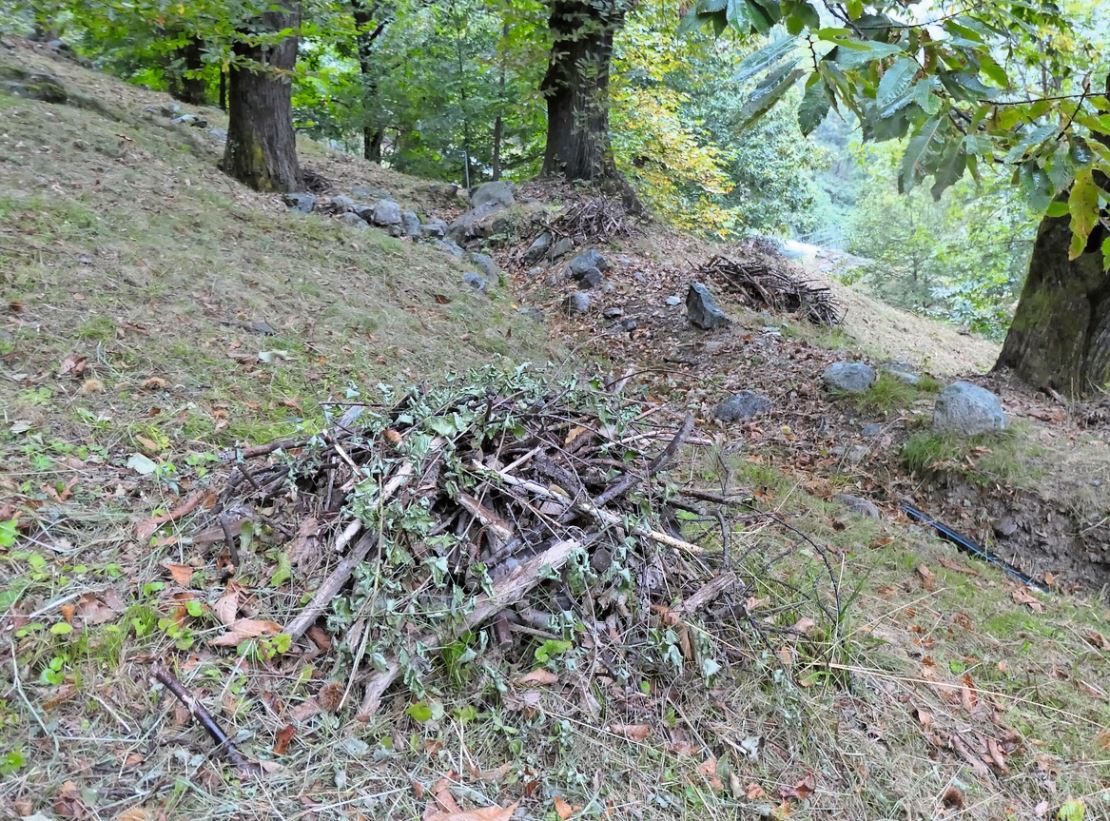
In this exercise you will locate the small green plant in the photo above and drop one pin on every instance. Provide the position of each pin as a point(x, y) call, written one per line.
point(1005, 457)
point(888, 393)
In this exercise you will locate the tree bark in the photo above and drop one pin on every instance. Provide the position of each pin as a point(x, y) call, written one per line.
point(1060, 334)
point(577, 88)
point(187, 84)
point(367, 30)
point(261, 145)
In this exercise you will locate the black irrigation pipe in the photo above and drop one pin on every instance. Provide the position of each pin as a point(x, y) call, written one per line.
point(968, 546)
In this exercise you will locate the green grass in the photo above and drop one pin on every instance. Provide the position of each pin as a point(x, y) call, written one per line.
point(1007, 458)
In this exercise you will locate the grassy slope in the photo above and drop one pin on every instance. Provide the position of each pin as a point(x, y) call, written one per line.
point(122, 244)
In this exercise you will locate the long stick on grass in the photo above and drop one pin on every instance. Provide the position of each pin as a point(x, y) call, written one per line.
point(506, 592)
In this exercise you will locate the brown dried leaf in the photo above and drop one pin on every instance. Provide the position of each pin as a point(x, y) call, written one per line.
point(1096, 639)
point(953, 798)
point(227, 607)
point(244, 629)
point(67, 611)
point(1023, 596)
point(804, 626)
point(282, 739)
point(134, 814)
point(802, 790)
point(633, 732)
point(708, 770)
point(928, 578)
point(319, 637)
point(484, 814)
point(496, 774)
point(73, 365)
point(563, 809)
point(952, 564)
point(539, 676)
point(180, 573)
point(155, 383)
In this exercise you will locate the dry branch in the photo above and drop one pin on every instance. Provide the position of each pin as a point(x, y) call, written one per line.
point(767, 282)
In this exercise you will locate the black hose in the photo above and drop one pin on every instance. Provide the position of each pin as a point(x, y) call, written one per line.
point(968, 546)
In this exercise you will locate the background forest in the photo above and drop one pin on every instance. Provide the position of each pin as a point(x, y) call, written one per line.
point(452, 90)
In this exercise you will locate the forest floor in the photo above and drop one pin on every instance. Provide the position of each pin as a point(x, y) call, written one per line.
point(155, 313)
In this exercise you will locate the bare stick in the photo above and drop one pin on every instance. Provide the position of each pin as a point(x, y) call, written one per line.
point(705, 594)
point(506, 592)
point(625, 483)
point(204, 718)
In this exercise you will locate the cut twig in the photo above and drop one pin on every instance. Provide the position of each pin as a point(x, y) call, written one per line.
point(625, 483)
point(204, 718)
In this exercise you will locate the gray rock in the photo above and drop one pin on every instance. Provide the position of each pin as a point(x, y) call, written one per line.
point(451, 248)
point(703, 310)
point(902, 372)
point(859, 506)
point(740, 407)
point(463, 226)
point(171, 109)
point(1005, 527)
point(535, 314)
point(577, 303)
point(630, 324)
point(534, 271)
point(539, 248)
point(613, 312)
point(872, 429)
point(475, 281)
point(492, 195)
point(485, 263)
point(673, 300)
point(586, 261)
point(353, 220)
point(341, 205)
point(387, 214)
point(190, 119)
point(561, 248)
point(42, 87)
point(434, 227)
point(590, 279)
point(217, 134)
point(301, 202)
point(850, 377)
point(968, 410)
point(410, 224)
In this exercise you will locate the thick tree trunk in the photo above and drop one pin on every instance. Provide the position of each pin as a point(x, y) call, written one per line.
point(368, 29)
point(187, 85)
point(372, 139)
point(1060, 336)
point(261, 145)
point(577, 88)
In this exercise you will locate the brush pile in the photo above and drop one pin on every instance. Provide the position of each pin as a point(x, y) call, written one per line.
point(496, 515)
point(767, 281)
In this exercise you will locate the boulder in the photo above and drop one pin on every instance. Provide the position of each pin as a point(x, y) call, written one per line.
point(629, 324)
point(353, 220)
point(577, 303)
point(849, 377)
point(450, 247)
point(475, 281)
point(539, 248)
point(673, 300)
point(590, 278)
point(586, 261)
point(902, 372)
point(43, 87)
point(410, 224)
point(968, 410)
point(217, 134)
point(859, 506)
point(703, 310)
point(561, 248)
point(740, 407)
point(190, 119)
point(463, 226)
point(435, 227)
point(301, 202)
point(492, 195)
point(387, 214)
point(341, 204)
point(485, 263)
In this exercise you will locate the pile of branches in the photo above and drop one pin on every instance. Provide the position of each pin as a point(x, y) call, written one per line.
point(595, 219)
point(497, 513)
point(768, 281)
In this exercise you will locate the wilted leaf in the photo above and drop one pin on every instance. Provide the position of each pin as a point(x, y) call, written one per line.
point(1023, 596)
point(244, 629)
point(484, 814)
point(227, 607)
point(73, 365)
point(804, 626)
point(928, 579)
point(563, 809)
point(802, 790)
point(134, 814)
point(753, 792)
point(633, 732)
point(180, 573)
point(146, 528)
point(282, 739)
point(155, 383)
point(708, 770)
point(540, 675)
point(1096, 639)
point(142, 465)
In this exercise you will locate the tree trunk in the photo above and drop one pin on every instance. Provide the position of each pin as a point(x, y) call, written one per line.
point(223, 89)
point(577, 88)
point(372, 139)
point(367, 30)
point(1060, 335)
point(261, 145)
point(187, 84)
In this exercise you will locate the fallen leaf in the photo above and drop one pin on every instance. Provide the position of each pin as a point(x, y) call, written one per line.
point(244, 629)
point(1096, 639)
point(282, 739)
point(968, 695)
point(155, 383)
point(708, 770)
point(73, 365)
point(633, 732)
point(484, 814)
point(91, 386)
point(753, 792)
point(496, 774)
point(180, 573)
point(802, 790)
point(574, 433)
point(563, 809)
point(146, 528)
point(953, 798)
point(924, 717)
point(804, 626)
point(141, 464)
point(1023, 596)
point(540, 675)
point(319, 637)
point(227, 607)
point(928, 579)
point(67, 611)
point(951, 564)
point(134, 814)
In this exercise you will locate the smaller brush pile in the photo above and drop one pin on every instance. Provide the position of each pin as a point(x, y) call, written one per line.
point(495, 517)
point(766, 280)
